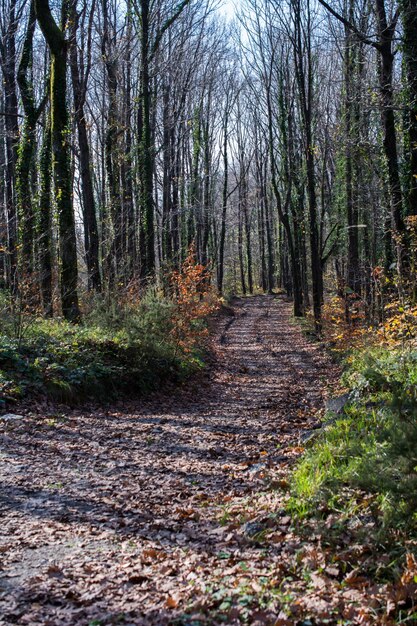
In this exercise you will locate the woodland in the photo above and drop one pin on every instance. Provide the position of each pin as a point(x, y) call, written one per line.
point(208, 312)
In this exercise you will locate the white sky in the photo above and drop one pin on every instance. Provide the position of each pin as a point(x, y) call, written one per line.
point(228, 7)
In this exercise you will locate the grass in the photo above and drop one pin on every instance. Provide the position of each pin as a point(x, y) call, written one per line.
point(370, 448)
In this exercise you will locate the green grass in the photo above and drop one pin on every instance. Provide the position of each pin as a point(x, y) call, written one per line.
point(371, 447)
point(113, 352)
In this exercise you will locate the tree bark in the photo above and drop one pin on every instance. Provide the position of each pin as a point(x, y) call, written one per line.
point(45, 219)
point(61, 157)
point(27, 149)
point(8, 62)
point(222, 238)
point(409, 19)
point(79, 86)
point(146, 156)
point(305, 84)
point(353, 278)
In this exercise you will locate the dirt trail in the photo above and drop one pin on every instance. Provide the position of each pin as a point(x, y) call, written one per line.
point(158, 512)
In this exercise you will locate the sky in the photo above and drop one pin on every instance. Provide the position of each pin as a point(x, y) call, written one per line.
point(228, 7)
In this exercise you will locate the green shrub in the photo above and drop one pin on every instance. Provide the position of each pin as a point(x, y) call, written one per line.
point(116, 350)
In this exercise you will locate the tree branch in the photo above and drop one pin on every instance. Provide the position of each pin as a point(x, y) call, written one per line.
point(52, 33)
point(351, 26)
point(167, 24)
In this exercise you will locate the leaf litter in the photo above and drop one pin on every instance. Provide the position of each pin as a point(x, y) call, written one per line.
point(172, 510)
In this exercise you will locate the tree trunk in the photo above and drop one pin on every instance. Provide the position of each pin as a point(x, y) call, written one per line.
point(27, 149)
point(45, 219)
point(61, 162)
point(146, 156)
point(305, 85)
point(409, 18)
point(12, 139)
point(112, 152)
point(386, 33)
point(353, 278)
point(222, 239)
point(91, 238)
point(240, 247)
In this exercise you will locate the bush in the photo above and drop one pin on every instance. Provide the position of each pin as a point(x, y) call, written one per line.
point(126, 344)
point(68, 362)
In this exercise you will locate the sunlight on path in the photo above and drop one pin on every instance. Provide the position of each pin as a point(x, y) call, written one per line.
point(168, 507)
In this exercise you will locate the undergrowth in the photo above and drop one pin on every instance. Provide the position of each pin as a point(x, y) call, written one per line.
point(128, 343)
point(356, 484)
point(365, 458)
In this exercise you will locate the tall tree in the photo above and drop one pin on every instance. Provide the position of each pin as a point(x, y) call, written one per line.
point(80, 70)
point(150, 41)
point(409, 20)
point(384, 46)
point(27, 146)
point(10, 20)
point(45, 218)
point(55, 38)
point(304, 70)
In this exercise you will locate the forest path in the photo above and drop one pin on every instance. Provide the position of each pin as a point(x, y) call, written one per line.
point(166, 511)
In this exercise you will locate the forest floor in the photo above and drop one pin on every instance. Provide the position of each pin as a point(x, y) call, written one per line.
point(172, 510)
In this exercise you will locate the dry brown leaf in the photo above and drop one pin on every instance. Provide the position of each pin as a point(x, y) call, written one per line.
point(171, 602)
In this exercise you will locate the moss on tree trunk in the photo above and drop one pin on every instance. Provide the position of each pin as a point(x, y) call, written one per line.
point(61, 158)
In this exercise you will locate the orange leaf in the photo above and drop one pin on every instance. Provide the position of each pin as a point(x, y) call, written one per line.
point(171, 602)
